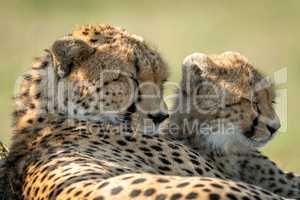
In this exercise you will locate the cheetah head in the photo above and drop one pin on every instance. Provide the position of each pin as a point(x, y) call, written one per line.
point(105, 73)
point(226, 103)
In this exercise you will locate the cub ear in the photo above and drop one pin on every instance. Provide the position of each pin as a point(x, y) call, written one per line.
point(67, 52)
point(195, 68)
point(196, 64)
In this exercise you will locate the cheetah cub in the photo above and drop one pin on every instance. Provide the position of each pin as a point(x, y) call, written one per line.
point(224, 110)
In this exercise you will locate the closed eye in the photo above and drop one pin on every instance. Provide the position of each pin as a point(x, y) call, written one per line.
point(253, 100)
point(232, 104)
point(238, 103)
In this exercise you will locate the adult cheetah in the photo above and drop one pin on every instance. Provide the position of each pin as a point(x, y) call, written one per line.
point(224, 110)
point(65, 147)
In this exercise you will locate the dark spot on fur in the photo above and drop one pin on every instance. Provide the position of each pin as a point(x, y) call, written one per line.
point(183, 184)
point(176, 196)
point(161, 197)
point(135, 193)
point(214, 196)
point(93, 40)
point(191, 195)
point(116, 190)
point(231, 196)
point(121, 142)
point(139, 180)
point(149, 192)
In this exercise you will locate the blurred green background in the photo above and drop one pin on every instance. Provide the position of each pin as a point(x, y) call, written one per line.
point(266, 31)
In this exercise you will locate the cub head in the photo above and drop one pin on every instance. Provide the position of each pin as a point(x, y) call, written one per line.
point(105, 73)
point(224, 103)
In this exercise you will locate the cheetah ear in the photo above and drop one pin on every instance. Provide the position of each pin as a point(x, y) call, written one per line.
point(195, 68)
point(148, 61)
point(67, 52)
point(197, 64)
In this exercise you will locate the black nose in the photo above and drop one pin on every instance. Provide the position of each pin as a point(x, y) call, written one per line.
point(157, 118)
point(272, 129)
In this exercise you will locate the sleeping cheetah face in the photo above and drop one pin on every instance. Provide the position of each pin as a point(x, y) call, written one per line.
point(227, 104)
point(107, 77)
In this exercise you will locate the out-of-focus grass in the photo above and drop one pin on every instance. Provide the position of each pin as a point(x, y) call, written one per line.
point(267, 32)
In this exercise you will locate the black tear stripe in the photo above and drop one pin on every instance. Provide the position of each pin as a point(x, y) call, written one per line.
point(132, 108)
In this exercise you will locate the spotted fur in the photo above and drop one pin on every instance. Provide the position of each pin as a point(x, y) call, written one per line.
point(239, 117)
point(59, 154)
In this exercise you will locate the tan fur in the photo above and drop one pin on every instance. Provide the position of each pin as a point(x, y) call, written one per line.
point(101, 79)
point(235, 103)
point(144, 186)
point(58, 153)
point(238, 95)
